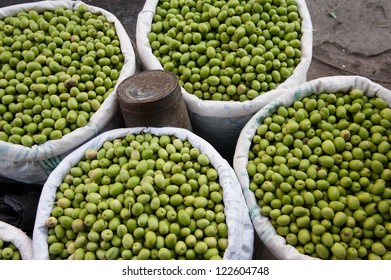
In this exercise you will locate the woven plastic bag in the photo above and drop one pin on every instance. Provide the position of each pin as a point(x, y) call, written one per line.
point(34, 164)
point(220, 122)
point(22, 242)
point(273, 245)
point(240, 229)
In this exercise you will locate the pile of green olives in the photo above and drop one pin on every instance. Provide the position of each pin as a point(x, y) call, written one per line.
point(56, 69)
point(139, 197)
point(320, 170)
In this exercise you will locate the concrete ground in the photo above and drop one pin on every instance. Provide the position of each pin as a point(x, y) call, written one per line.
point(351, 37)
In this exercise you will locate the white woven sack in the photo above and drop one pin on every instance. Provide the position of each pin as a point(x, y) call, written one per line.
point(274, 243)
point(22, 242)
point(220, 122)
point(34, 164)
point(240, 229)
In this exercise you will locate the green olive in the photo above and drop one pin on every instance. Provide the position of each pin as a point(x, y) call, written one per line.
point(115, 203)
point(44, 65)
point(227, 44)
point(323, 182)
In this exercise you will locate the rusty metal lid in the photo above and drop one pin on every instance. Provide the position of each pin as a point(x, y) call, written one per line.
point(149, 91)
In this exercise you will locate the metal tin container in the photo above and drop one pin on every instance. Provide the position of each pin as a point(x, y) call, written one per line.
point(153, 98)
